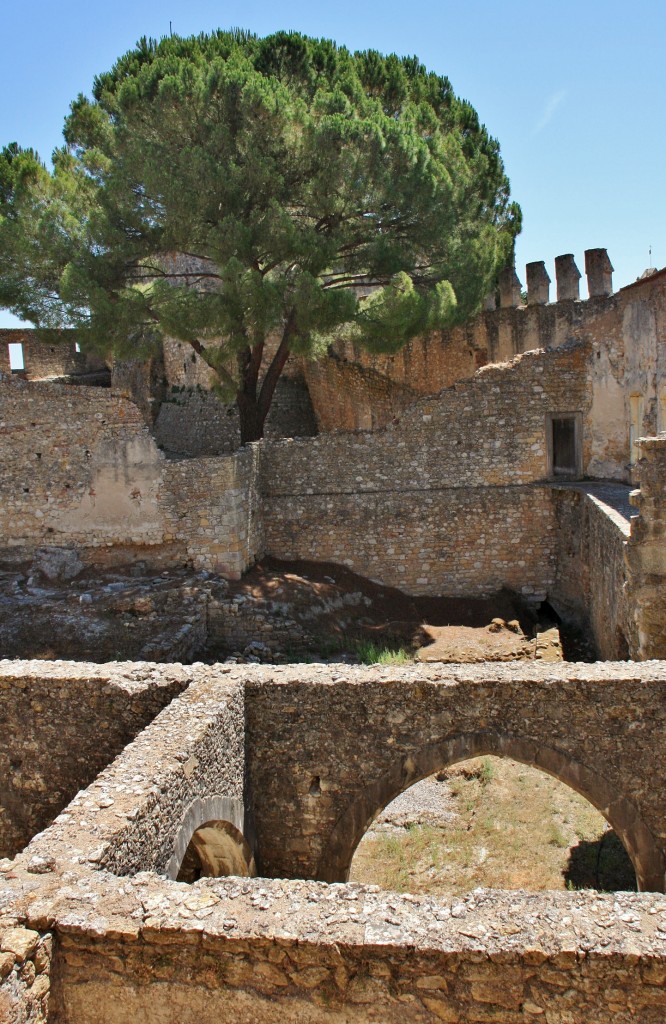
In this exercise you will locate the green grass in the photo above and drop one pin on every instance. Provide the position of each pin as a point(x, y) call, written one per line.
point(370, 653)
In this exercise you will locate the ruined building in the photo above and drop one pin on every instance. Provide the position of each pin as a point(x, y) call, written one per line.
point(525, 449)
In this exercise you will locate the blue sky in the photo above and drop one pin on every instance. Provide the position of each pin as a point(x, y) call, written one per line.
point(575, 92)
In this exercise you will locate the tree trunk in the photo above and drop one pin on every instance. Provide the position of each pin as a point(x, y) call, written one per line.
point(251, 420)
point(252, 407)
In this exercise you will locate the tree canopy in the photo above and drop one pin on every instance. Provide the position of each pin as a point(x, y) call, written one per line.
point(230, 187)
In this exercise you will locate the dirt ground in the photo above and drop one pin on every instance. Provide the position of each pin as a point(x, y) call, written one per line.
point(444, 629)
point(495, 823)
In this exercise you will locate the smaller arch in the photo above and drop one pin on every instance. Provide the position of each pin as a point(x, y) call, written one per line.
point(623, 816)
point(211, 841)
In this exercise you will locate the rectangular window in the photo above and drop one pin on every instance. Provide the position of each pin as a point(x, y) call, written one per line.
point(563, 431)
point(16, 363)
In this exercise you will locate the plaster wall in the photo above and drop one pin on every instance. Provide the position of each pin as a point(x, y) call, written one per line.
point(82, 470)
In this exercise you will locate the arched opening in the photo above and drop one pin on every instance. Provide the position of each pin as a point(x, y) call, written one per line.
point(216, 849)
point(621, 814)
point(493, 823)
point(212, 841)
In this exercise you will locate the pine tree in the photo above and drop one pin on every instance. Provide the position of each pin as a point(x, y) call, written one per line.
point(222, 188)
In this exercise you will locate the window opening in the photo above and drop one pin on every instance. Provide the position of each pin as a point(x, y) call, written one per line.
point(564, 447)
point(16, 361)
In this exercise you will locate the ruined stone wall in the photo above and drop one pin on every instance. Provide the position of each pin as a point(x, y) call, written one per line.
point(328, 752)
point(214, 509)
point(44, 359)
point(437, 503)
point(646, 554)
point(80, 469)
point(590, 574)
point(625, 332)
point(295, 952)
point(60, 724)
point(247, 949)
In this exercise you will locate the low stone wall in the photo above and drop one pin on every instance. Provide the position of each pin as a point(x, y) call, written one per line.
point(249, 950)
point(61, 723)
point(267, 951)
point(130, 817)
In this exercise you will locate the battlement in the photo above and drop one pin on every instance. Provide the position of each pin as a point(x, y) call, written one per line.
point(598, 271)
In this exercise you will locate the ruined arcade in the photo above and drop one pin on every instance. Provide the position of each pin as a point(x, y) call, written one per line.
point(524, 450)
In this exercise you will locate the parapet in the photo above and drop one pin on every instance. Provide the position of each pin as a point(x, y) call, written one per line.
point(599, 272)
point(509, 288)
point(568, 277)
point(538, 284)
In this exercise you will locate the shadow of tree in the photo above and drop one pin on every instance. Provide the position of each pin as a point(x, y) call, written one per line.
point(602, 863)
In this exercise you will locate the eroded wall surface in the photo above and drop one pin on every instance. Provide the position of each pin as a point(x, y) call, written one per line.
point(441, 502)
point(61, 723)
point(328, 749)
point(81, 470)
point(82, 945)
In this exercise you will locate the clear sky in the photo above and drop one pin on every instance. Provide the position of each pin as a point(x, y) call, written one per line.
point(574, 91)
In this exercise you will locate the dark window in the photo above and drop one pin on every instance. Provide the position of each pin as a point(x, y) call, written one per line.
point(564, 444)
point(564, 454)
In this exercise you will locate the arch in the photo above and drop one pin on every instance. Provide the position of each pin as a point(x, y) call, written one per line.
point(623, 816)
point(212, 839)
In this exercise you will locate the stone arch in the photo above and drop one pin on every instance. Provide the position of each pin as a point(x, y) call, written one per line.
point(623, 816)
point(212, 837)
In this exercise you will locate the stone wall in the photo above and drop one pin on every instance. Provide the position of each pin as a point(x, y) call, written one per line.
point(625, 332)
point(590, 576)
point(328, 749)
point(214, 509)
point(296, 952)
point(441, 502)
point(81, 470)
point(140, 946)
point(44, 359)
point(646, 554)
point(60, 724)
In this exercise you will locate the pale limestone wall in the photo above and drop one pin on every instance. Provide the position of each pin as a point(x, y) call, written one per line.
point(80, 469)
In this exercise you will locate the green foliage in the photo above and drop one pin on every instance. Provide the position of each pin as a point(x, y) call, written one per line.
point(288, 173)
point(370, 653)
